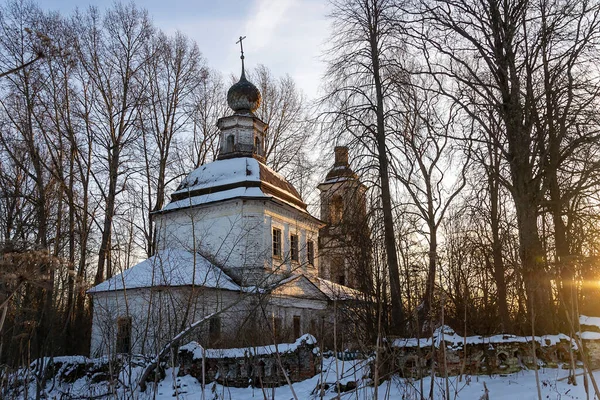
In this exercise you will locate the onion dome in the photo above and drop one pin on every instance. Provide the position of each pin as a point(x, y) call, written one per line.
point(243, 96)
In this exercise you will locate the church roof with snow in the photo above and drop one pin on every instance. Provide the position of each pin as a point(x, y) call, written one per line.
point(170, 267)
point(176, 267)
point(241, 177)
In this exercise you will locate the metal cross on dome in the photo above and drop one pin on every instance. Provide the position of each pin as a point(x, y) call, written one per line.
point(242, 56)
point(241, 45)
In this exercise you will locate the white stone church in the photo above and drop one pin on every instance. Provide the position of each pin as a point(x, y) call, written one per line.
point(235, 242)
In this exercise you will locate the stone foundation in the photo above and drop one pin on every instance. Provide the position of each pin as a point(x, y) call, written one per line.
point(445, 353)
point(256, 366)
point(451, 354)
point(476, 359)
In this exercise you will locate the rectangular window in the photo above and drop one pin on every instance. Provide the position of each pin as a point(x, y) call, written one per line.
point(338, 270)
point(297, 331)
point(276, 327)
point(124, 335)
point(313, 327)
point(310, 252)
point(294, 247)
point(214, 330)
point(276, 242)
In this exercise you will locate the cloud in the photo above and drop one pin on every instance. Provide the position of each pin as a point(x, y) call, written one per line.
point(286, 36)
point(263, 23)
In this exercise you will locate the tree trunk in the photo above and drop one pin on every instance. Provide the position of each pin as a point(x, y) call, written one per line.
point(104, 254)
point(424, 311)
point(386, 201)
point(498, 267)
point(536, 279)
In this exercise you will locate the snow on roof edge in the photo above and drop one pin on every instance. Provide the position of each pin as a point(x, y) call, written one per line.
point(169, 267)
point(338, 291)
point(224, 195)
point(228, 171)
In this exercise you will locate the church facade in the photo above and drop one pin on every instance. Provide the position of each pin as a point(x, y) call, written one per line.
point(236, 248)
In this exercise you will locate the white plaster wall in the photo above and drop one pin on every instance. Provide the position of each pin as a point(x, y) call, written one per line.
point(237, 234)
point(223, 231)
point(158, 315)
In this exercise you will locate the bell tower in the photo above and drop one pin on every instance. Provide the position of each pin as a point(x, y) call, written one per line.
point(344, 241)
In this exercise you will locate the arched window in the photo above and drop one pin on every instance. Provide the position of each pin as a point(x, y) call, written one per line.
point(257, 148)
point(336, 209)
point(230, 143)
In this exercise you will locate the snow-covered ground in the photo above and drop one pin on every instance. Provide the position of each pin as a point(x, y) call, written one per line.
point(519, 386)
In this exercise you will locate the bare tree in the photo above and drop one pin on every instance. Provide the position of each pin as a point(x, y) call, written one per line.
point(493, 54)
point(423, 170)
point(566, 119)
point(19, 140)
point(111, 54)
point(491, 160)
point(173, 72)
point(209, 104)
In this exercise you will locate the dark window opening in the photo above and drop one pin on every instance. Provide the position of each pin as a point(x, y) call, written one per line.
point(214, 330)
point(310, 252)
point(336, 209)
point(313, 327)
point(276, 242)
point(260, 371)
point(124, 335)
point(338, 272)
point(257, 148)
point(294, 247)
point(230, 143)
point(276, 327)
point(502, 357)
point(297, 330)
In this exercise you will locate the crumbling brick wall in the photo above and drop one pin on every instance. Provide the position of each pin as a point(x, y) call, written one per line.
point(477, 358)
point(243, 367)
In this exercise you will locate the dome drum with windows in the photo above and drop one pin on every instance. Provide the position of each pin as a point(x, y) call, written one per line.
point(243, 133)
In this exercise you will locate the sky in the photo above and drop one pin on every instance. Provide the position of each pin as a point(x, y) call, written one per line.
point(287, 36)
